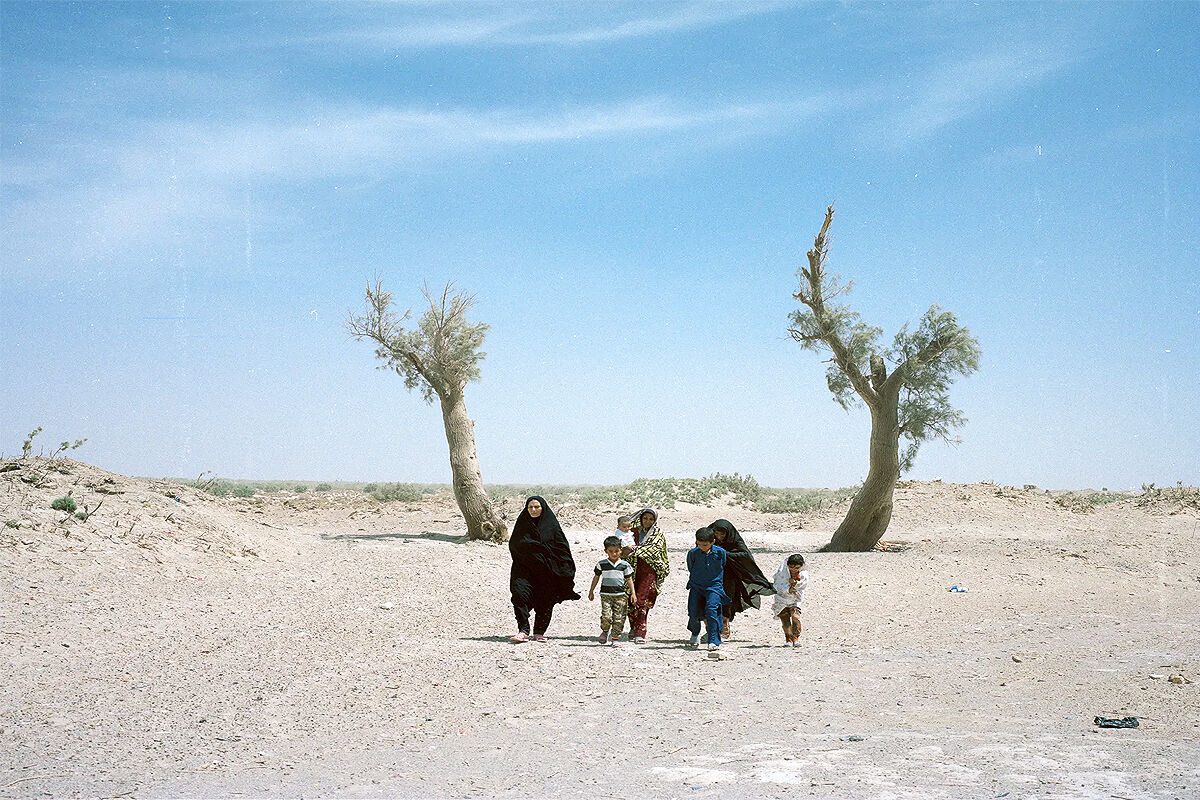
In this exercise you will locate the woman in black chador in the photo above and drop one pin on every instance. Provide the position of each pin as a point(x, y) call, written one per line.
point(543, 572)
point(744, 581)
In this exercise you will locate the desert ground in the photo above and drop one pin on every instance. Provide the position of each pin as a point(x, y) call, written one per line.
point(176, 644)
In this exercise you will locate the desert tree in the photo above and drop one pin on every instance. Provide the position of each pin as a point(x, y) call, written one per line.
point(438, 357)
point(905, 387)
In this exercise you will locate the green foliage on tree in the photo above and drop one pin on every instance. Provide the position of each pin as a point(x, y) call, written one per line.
point(440, 355)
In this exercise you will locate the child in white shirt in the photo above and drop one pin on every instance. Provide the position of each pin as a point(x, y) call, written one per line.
point(791, 579)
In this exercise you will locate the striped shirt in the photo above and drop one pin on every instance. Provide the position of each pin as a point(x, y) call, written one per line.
point(613, 574)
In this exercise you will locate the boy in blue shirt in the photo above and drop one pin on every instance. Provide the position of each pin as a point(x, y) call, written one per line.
point(706, 590)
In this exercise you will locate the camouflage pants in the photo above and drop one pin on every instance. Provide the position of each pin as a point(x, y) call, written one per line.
point(613, 608)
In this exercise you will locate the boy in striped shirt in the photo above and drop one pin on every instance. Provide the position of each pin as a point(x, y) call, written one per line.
point(615, 577)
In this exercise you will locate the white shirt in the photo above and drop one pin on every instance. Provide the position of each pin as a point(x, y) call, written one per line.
point(785, 595)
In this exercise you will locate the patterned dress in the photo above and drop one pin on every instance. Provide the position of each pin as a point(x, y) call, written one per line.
point(650, 569)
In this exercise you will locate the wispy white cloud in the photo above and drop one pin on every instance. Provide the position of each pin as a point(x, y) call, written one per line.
point(427, 33)
point(170, 179)
point(963, 87)
point(357, 140)
point(518, 24)
point(674, 18)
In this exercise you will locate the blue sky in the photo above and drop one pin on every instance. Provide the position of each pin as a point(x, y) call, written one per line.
point(194, 195)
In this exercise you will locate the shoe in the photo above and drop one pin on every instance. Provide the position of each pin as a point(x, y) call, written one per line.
point(795, 643)
point(614, 643)
point(694, 641)
point(541, 637)
point(521, 636)
point(639, 640)
point(712, 648)
point(604, 638)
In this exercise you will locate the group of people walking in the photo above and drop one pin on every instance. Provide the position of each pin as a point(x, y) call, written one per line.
point(724, 579)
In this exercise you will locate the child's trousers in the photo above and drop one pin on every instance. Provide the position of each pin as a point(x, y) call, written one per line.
point(613, 608)
point(705, 604)
point(790, 617)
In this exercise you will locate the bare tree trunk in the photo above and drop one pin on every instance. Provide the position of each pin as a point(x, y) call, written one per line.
point(871, 510)
point(477, 510)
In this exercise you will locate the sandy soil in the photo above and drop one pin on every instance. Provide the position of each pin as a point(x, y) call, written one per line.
point(180, 645)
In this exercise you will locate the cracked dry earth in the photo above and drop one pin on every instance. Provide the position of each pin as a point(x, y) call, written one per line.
point(178, 645)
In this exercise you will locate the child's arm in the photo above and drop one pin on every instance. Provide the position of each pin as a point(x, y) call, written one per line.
point(632, 591)
point(592, 590)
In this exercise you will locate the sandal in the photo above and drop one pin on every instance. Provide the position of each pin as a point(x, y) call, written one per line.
point(520, 637)
point(541, 637)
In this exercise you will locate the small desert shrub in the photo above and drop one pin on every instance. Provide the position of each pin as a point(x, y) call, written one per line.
point(801, 501)
point(27, 447)
point(300, 489)
point(1087, 502)
point(1179, 496)
point(66, 504)
point(242, 490)
point(11, 523)
point(323, 487)
point(397, 492)
point(81, 516)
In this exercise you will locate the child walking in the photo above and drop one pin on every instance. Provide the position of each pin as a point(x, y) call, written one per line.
point(791, 579)
point(615, 576)
point(706, 590)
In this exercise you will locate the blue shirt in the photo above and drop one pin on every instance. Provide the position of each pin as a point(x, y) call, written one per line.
point(707, 569)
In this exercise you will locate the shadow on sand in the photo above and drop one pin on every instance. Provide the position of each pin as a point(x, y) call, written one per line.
point(579, 641)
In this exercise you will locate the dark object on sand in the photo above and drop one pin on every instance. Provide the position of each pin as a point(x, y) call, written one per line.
point(1123, 722)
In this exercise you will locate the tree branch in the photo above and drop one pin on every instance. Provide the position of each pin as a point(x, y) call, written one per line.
point(801, 338)
point(879, 374)
point(815, 299)
point(934, 348)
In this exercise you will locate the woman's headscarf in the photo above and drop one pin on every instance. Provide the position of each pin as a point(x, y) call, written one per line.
point(744, 581)
point(651, 548)
point(541, 553)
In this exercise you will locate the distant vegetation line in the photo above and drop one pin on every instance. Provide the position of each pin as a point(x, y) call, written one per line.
point(664, 493)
